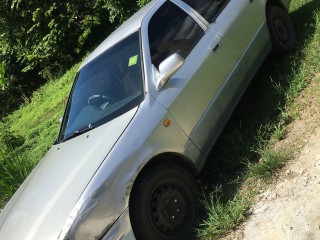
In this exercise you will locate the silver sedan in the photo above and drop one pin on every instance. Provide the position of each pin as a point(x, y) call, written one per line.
point(145, 109)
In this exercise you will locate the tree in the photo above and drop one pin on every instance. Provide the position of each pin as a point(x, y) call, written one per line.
point(141, 3)
point(3, 84)
point(39, 40)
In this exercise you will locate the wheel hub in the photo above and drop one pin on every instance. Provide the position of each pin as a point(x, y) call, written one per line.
point(167, 209)
point(281, 30)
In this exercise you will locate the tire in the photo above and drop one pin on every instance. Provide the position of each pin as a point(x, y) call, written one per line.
point(164, 204)
point(282, 32)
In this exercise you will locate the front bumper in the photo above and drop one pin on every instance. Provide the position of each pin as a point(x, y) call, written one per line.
point(121, 229)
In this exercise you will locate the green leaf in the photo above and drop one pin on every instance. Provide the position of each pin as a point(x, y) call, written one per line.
point(3, 83)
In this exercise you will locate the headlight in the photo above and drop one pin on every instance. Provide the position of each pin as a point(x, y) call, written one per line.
point(87, 220)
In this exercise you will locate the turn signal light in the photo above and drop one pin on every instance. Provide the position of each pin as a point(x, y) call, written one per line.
point(166, 123)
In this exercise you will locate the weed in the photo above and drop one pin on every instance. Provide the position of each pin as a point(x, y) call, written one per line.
point(13, 171)
point(279, 131)
point(9, 139)
point(270, 162)
point(222, 215)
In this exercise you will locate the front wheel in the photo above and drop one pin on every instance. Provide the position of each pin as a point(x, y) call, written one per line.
point(282, 32)
point(163, 204)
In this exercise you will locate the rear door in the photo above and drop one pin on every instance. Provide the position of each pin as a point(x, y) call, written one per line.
point(240, 27)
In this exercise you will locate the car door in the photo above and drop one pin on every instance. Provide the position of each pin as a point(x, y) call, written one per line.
point(240, 26)
point(208, 64)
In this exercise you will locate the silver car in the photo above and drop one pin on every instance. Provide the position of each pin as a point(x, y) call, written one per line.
point(144, 111)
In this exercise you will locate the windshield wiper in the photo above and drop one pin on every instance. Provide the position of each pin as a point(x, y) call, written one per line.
point(79, 132)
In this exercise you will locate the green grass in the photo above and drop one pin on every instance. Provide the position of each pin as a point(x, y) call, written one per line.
point(279, 131)
point(36, 125)
point(222, 215)
point(38, 122)
point(270, 162)
point(13, 171)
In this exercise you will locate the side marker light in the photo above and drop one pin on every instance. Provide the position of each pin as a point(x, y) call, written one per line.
point(166, 123)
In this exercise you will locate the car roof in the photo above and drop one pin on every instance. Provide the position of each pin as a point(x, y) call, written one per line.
point(128, 27)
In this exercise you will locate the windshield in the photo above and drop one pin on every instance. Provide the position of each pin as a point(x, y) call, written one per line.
point(105, 88)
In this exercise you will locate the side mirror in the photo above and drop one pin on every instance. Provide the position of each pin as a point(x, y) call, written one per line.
point(167, 68)
point(60, 120)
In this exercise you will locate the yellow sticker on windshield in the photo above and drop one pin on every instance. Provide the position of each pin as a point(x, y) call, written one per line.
point(133, 61)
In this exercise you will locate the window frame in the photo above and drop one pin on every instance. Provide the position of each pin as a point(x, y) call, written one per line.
point(63, 125)
point(189, 13)
point(204, 24)
point(197, 14)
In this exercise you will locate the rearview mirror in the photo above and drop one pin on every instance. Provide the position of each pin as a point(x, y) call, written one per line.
point(167, 68)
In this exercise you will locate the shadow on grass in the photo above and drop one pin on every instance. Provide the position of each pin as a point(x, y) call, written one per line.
point(261, 107)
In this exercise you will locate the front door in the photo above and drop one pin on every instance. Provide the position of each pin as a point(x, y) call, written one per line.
point(208, 64)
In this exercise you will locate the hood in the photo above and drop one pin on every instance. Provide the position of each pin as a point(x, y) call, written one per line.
point(43, 203)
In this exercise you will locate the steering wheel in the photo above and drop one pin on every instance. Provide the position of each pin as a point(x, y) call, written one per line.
point(101, 101)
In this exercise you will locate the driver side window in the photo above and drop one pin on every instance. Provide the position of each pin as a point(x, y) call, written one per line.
point(171, 30)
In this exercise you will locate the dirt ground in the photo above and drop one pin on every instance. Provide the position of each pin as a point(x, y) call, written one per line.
point(289, 209)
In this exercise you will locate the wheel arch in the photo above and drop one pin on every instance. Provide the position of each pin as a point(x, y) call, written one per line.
point(172, 159)
point(151, 168)
point(167, 158)
point(278, 3)
point(281, 29)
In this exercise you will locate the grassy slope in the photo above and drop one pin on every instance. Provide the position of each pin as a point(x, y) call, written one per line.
point(38, 122)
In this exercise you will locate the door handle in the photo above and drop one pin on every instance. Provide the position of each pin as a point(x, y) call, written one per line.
point(216, 45)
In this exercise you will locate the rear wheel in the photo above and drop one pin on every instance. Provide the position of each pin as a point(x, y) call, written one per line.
point(281, 29)
point(163, 204)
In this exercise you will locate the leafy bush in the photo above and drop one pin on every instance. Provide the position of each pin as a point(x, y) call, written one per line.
point(141, 3)
point(9, 139)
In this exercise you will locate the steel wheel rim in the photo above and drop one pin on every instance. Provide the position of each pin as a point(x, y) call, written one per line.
point(168, 208)
point(280, 29)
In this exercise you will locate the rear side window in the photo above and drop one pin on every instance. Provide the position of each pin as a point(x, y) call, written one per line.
point(171, 30)
point(209, 9)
